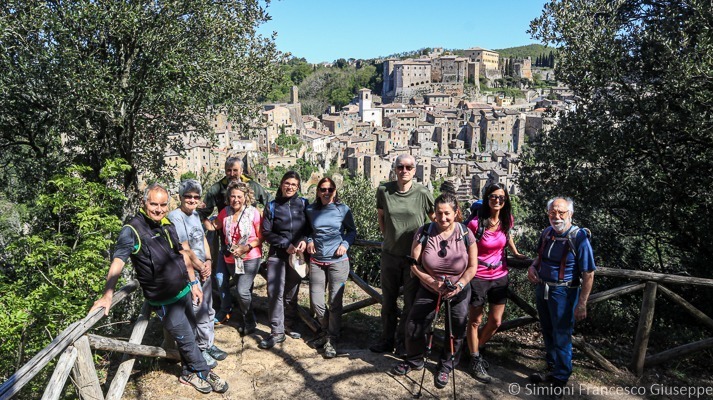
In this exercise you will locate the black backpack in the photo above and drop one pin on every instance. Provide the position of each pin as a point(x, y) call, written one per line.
point(426, 232)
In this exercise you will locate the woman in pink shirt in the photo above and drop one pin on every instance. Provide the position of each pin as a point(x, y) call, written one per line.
point(240, 224)
point(491, 280)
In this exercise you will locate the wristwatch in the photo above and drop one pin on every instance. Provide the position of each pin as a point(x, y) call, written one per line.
point(250, 247)
point(460, 285)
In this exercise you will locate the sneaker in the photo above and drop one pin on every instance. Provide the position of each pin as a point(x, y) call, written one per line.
point(218, 385)
point(404, 368)
point(270, 341)
point(329, 350)
point(221, 317)
point(209, 359)
point(441, 379)
point(382, 347)
point(193, 380)
point(217, 353)
point(478, 368)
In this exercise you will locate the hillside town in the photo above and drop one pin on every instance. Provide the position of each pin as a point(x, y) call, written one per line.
point(430, 107)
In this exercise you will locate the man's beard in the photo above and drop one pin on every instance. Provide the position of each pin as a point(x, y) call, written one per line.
point(559, 224)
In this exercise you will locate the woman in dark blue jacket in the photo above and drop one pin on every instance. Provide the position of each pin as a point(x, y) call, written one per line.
point(285, 228)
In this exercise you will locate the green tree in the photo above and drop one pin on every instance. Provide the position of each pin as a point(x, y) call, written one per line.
point(358, 194)
point(86, 81)
point(642, 71)
point(52, 274)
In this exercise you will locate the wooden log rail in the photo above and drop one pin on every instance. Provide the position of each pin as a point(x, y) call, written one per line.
point(60, 344)
point(75, 345)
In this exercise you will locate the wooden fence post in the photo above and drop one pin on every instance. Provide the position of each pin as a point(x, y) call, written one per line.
point(85, 375)
point(646, 319)
point(116, 389)
point(60, 374)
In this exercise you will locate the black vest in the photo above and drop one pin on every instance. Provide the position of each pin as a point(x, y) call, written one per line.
point(159, 266)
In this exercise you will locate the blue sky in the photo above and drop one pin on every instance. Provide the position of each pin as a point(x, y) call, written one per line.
point(321, 30)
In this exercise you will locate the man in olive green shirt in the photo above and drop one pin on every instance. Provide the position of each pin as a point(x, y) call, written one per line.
point(403, 206)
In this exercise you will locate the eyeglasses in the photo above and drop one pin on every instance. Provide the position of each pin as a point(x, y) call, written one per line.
point(326, 189)
point(191, 196)
point(405, 167)
point(443, 252)
point(288, 184)
point(495, 197)
point(556, 213)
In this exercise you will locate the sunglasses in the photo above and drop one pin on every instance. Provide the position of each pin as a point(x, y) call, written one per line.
point(405, 167)
point(191, 196)
point(443, 252)
point(495, 197)
point(326, 189)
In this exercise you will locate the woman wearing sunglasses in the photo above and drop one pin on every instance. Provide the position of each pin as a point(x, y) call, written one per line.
point(491, 228)
point(444, 259)
point(333, 231)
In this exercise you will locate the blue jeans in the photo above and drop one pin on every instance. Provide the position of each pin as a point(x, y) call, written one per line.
point(245, 295)
point(557, 321)
point(222, 278)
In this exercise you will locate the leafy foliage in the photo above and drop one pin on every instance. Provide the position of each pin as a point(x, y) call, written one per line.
point(643, 73)
point(60, 266)
point(86, 81)
point(358, 194)
point(336, 86)
point(530, 50)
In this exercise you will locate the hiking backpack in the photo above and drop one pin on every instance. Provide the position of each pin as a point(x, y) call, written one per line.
point(426, 232)
point(570, 245)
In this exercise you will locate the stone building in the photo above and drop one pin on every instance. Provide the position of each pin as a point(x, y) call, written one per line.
point(487, 59)
point(367, 113)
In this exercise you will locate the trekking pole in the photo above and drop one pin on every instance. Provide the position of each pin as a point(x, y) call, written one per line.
point(452, 339)
point(429, 345)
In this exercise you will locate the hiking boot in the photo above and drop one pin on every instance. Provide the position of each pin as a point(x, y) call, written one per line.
point(382, 347)
point(199, 384)
point(404, 368)
point(217, 353)
point(557, 388)
point(478, 368)
point(216, 383)
point(292, 333)
point(319, 341)
point(221, 317)
point(209, 359)
point(270, 341)
point(540, 377)
point(441, 379)
point(329, 350)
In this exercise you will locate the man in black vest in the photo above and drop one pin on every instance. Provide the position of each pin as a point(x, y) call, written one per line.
point(165, 270)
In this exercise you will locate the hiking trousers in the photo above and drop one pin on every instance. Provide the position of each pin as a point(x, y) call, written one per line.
point(283, 284)
point(178, 319)
point(204, 314)
point(395, 272)
point(419, 321)
point(335, 275)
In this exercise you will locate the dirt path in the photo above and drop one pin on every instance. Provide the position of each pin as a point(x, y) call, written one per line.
point(294, 370)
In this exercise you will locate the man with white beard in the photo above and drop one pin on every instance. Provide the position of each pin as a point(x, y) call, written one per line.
point(564, 273)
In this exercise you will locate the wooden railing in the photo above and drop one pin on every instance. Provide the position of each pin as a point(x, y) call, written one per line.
point(74, 345)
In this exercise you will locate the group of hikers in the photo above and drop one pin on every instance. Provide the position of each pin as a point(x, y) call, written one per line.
point(428, 253)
